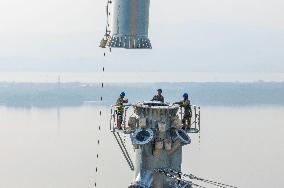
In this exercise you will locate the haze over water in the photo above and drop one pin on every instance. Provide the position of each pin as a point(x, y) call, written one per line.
point(211, 41)
point(133, 77)
point(57, 148)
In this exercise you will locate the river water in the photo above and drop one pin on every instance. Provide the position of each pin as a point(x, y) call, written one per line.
point(58, 148)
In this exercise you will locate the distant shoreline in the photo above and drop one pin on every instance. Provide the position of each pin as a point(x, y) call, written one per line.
point(140, 77)
point(201, 93)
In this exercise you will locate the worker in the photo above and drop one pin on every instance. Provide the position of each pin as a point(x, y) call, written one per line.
point(159, 96)
point(186, 119)
point(120, 109)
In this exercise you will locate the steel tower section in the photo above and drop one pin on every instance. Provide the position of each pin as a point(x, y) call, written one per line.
point(127, 24)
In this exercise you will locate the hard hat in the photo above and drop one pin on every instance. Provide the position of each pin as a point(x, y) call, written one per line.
point(122, 94)
point(185, 95)
point(160, 90)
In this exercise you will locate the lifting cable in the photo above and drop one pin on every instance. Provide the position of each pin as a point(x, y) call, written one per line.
point(102, 86)
point(179, 181)
point(100, 125)
point(177, 175)
point(218, 184)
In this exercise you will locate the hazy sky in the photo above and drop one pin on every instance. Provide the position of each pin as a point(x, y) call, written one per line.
point(203, 35)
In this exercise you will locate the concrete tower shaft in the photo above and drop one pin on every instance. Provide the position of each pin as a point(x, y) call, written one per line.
point(158, 140)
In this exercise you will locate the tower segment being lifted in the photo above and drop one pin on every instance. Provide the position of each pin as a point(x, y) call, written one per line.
point(127, 24)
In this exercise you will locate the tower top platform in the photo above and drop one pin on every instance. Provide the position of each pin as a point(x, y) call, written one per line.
point(156, 104)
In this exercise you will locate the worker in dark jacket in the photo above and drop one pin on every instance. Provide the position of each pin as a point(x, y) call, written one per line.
point(159, 96)
point(120, 109)
point(185, 104)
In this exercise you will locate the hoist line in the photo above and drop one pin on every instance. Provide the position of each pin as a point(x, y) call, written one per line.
point(177, 178)
point(168, 172)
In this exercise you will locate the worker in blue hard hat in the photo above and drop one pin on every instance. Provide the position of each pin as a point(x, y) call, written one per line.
point(120, 109)
point(185, 104)
point(158, 96)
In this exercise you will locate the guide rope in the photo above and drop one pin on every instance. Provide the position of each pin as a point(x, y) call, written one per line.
point(181, 183)
point(171, 173)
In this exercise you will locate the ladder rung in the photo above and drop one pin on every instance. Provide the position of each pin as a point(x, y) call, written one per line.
point(123, 149)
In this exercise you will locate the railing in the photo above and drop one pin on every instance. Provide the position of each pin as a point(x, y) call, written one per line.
point(116, 133)
point(114, 115)
point(194, 120)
